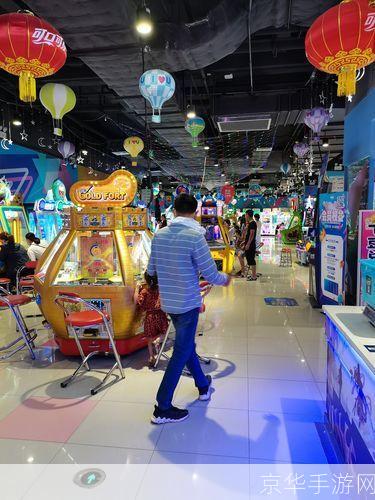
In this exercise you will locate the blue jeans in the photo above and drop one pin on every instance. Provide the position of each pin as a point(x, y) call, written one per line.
point(183, 354)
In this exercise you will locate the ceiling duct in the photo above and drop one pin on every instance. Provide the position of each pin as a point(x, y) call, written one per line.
point(243, 123)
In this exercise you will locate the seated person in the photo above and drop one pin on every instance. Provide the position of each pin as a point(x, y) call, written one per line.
point(156, 322)
point(13, 256)
point(36, 247)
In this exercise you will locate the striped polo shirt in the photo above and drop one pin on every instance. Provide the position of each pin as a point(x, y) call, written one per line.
point(178, 255)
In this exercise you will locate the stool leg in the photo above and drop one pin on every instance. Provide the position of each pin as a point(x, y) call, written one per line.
point(22, 328)
point(161, 350)
point(78, 343)
point(115, 353)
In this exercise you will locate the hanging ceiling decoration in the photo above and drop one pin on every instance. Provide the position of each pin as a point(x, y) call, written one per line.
point(194, 126)
point(316, 119)
point(58, 99)
point(134, 145)
point(341, 41)
point(157, 86)
point(301, 149)
point(30, 48)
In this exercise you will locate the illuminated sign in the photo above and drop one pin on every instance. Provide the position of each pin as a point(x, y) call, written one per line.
point(119, 189)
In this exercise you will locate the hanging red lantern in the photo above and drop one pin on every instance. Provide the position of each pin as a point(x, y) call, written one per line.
point(341, 41)
point(228, 192)
point(29, 48)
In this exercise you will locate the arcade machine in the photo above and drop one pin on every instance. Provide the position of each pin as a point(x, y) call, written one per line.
point(293, 232)
point(93, 256)
point(46, 219)
point(13, 217)
point(210, 217)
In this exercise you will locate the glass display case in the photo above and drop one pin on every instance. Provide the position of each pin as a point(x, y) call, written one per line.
point(92, 259)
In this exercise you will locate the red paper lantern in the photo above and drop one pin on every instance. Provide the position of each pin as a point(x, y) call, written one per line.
point(228, 192)
point(341, 41)
point(29, 48)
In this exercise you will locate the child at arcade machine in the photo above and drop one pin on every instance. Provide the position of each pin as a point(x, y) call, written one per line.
point(155, 322)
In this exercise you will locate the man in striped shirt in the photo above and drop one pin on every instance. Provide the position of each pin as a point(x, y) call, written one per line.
point(179, 254)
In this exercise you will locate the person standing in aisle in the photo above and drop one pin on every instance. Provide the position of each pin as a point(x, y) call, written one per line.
point(179, 254)
point(250, 245)
point(259, 243)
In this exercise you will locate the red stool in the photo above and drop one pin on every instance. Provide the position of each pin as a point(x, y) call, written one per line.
point(205, 288)
point(26, 283)
point(27, 337)
point(5, 283)
point(88, 317)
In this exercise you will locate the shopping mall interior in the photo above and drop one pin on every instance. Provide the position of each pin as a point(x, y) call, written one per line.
point(177, 174)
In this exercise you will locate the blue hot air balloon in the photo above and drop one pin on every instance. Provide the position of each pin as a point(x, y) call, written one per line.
point(157, 86)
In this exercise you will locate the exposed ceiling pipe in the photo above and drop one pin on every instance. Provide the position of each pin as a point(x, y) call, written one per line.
point(250, 48)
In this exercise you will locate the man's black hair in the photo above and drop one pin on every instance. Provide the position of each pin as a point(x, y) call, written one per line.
point(250, 213)
point(185, 204)
point(257, 216)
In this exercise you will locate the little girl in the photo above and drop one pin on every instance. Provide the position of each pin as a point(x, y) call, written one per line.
point(156, 322)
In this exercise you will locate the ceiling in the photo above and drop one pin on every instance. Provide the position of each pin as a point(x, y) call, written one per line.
point(225, 62)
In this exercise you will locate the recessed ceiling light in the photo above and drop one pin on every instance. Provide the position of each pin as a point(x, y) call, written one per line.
point(325, 144)
point(228, 76)
point(16, 122)
point(206, 148)
point(216, 165)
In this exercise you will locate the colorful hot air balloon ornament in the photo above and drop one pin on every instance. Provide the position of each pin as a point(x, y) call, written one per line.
point(316, 119)
point(195, 126)
point(133, 145)
point(30, 48)
point(285, 168)
point(58, 99)
point(301, 149)
point(157, 86)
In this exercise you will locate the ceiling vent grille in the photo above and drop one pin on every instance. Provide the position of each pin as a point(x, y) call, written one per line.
point(243, 123)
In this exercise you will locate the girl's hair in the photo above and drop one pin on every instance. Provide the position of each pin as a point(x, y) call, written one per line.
point(33, 238)
point(8, 238)
point(152, 281)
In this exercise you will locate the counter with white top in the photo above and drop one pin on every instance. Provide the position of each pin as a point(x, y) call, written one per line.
point(351, 382)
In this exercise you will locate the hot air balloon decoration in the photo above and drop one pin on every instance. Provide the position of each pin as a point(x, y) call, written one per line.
point(301, 149)
point(58, 99)
point(285, 168)
point(157, 86)
point(30, 48)
point(133, 146)
point(66, 149)
point(195, 126)
point(341, 41)
point(316, 119)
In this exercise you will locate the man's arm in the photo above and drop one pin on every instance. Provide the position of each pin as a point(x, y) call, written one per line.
point(251, 237)
point(206, 264)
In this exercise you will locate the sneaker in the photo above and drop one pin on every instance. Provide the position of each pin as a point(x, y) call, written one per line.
point(205, 392)
point(167, 416)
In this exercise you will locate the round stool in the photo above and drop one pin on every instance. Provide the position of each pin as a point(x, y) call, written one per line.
point(5, 283)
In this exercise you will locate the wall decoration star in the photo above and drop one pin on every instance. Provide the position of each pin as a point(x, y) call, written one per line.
point(24, 136)
point(32, 122)
point(100, 164)
point(80, 160)
point(55, 141)
point(350, 98)
point(10, 142)
point(322, 98)
point(49, 146)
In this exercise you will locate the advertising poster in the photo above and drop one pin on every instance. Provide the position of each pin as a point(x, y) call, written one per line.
point(336, 181)
point(332, 235)
point(366, 243)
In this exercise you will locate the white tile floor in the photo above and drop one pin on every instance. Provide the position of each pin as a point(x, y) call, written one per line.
point(268, 365)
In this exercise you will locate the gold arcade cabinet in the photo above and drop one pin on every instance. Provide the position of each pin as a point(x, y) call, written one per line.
point(100, 254)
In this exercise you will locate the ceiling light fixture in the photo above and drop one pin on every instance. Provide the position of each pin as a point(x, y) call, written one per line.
point(16, 122)
point(143, 23)
point(325, 144)
point(190, 111)
point(206, 148)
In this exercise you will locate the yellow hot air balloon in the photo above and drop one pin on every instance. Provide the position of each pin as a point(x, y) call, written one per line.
point(134, 145)
point(58, 99)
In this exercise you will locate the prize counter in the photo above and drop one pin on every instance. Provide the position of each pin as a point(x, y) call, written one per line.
point(100, 254)
point(350, 399)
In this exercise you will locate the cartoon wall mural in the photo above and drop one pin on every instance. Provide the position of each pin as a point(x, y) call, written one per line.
point(32, 173)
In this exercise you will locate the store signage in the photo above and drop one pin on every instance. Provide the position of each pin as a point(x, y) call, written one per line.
point(119, 189)
point(332, 234)
point(366, 243)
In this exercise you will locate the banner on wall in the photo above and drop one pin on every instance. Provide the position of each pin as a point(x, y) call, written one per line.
point(336, 180)
point(366, 243)
point(332, 235)
point(228, 192)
